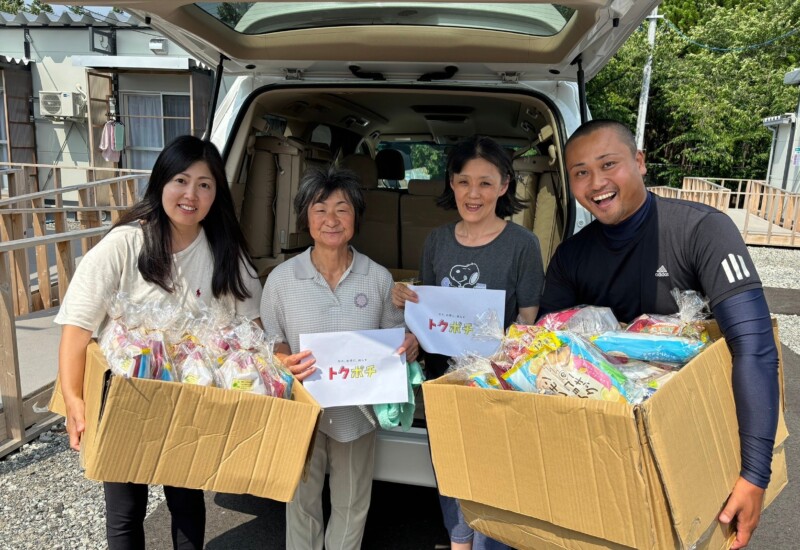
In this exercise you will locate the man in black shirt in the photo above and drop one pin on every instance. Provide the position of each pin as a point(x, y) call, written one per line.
point(641, 247)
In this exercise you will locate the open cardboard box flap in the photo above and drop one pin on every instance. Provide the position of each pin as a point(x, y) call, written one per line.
point(148, 431)
point(580, 473)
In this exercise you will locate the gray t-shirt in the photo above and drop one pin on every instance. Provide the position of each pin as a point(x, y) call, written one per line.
point(511, 262)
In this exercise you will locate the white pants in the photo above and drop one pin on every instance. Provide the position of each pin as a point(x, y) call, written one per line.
point(350, 468)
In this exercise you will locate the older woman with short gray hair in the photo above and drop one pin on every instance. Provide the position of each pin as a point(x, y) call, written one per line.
point(331, 287)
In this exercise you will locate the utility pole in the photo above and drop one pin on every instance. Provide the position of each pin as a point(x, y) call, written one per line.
point(648, 69)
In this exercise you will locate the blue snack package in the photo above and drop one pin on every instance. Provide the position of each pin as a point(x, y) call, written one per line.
point(649, 347)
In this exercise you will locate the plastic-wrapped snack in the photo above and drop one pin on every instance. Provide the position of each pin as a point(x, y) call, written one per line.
point(128, 353)
point(523, 374)
point(192, 363)
point(112, 335)
point(524, 340)
point(581, 369)
point(473, 370)
point(277, 380)
point(195, 370)
point(523, 346)
point(244, 334)
point(161, 367)
point(649, 347)
point(484, 380)
point(687, 322)
point(584, 320)
point(239, 371)
point(650, 375)
point(500, 369)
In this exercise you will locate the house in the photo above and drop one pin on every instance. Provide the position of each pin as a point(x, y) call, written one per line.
point(64, 77)
point(783, 170)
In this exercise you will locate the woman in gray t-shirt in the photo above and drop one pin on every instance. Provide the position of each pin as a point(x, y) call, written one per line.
point(481, 250)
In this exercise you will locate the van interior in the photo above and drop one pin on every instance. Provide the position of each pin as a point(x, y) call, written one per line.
point(396, 140)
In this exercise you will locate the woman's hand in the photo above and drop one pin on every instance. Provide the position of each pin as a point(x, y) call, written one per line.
point(410, 347)
point(295, 363)
point(76, 422)
point(71, 362)
point(401, 294)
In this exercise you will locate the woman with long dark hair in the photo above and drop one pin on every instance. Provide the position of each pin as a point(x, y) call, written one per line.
point(180, 245)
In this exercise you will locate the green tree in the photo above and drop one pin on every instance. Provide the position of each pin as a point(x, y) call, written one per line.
point(432, 159)
point(709, 89)
point(37, 6)
point(15, 6)
point(12, 6)
point(231, 12)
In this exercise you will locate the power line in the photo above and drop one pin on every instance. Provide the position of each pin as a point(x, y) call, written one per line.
point(723, 50)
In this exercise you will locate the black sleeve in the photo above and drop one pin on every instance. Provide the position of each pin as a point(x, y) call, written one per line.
point(721, 259)
point(559, 291)
point(745, 321)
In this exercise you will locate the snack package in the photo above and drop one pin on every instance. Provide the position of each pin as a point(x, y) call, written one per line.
point(521, 346)
point(473, 370)
point(193, 364)
point(239, 372)
point(582, 370)
point(524, 373)
point(528, 340)
point(277, 379)
point(687, 322)
point(584, 320)
point(649, 347)
point(650, 375)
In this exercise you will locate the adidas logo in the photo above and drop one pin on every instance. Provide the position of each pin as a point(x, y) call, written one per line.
point(734, 268)
point(662, 272)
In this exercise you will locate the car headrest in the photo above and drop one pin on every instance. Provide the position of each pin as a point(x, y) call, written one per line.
point(538, 164)
point(429, 188)
point(364, 167)
point(390, 164)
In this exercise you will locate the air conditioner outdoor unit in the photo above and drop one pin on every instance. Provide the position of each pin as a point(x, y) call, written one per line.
point(60, 104)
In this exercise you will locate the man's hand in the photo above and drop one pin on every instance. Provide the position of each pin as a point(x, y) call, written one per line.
point(743, 510)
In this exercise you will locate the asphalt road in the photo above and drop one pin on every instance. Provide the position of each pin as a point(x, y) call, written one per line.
point(241, 522)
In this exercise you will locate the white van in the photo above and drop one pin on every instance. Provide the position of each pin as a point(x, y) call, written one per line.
point(385, 88)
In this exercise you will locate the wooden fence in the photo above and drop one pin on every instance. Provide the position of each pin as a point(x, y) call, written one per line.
point(698, 190)
point(765, 215)
point(28, 226)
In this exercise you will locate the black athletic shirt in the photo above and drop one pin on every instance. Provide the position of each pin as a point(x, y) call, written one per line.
point(678, 244)
point(668, 244)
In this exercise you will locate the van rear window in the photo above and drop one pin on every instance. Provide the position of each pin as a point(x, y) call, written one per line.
point(268, 17)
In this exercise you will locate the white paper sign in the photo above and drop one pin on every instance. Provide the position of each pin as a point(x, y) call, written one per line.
point(357, 367)
point(444, 319)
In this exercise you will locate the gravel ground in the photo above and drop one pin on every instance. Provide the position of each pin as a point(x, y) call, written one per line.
point(46, 502)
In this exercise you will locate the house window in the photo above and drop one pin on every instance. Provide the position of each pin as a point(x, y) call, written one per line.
point(151, 121)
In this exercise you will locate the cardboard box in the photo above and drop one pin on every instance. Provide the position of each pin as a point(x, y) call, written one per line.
point(542, 471)
point(148, 431)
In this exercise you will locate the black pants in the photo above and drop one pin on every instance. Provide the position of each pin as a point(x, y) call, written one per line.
point(126, 506)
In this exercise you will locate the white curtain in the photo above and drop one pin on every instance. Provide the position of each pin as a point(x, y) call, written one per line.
point(174, 106)
point(146, 135)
